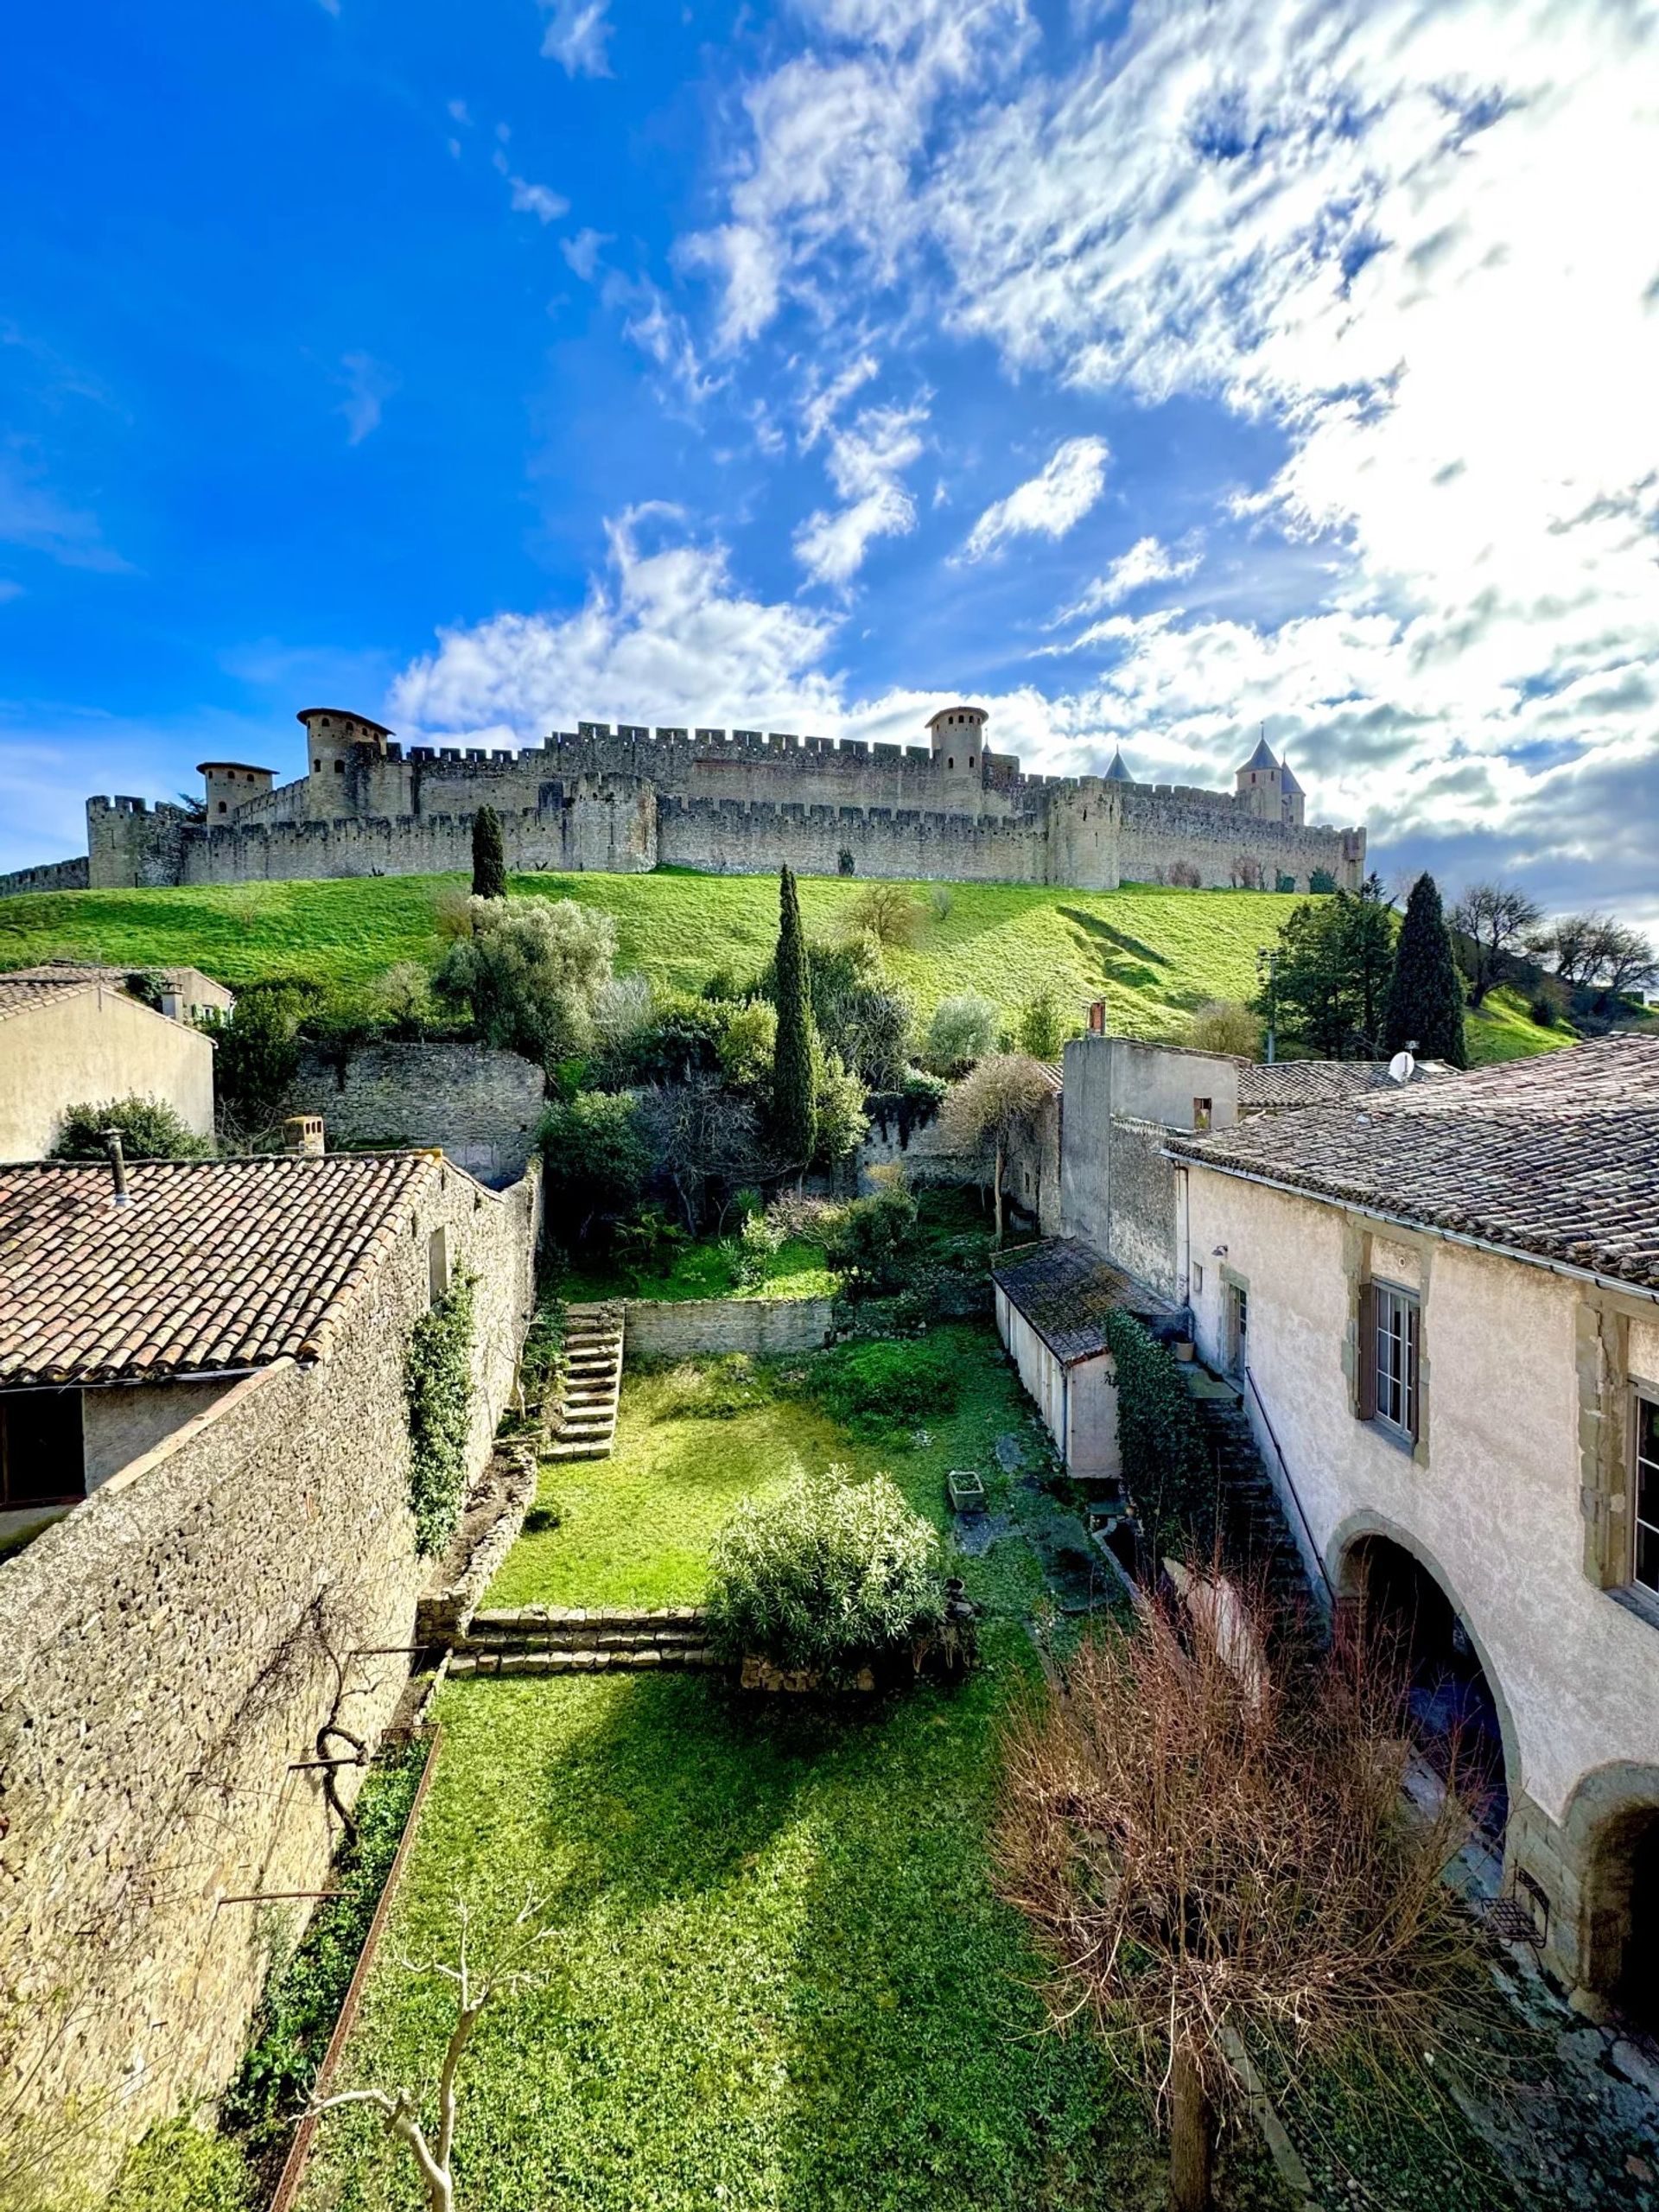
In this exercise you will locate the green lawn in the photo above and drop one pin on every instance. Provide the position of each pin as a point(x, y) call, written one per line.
point(1503, 1029)
point(1152, 955)
point(635, 1528)
point(780, 1981)
point(701, 1270)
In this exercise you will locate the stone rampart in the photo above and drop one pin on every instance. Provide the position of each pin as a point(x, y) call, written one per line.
point(730, 838)
point(482, 1106)
point(165, 1663)
point(668, 1328)
point(52, 875)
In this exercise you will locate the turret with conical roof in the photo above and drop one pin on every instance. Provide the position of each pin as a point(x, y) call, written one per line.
point(1118, 773)
point(1261, 786)
point(1294, 799)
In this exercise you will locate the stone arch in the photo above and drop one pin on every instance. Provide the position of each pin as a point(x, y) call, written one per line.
point(1610, 1833)
point(1344, 1563)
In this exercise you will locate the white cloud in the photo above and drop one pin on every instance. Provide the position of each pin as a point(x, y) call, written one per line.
point(1046, 505)
point(825, 401)
point(536, 200)
point(865, 463)
point(581, 252)
point(459, 112)
point(369, 383)
point(577, 35)
point(1148, 561)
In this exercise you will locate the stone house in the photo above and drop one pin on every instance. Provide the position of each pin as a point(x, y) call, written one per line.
point(204, 1378)
point(1441, 1306)
point(75, 1035)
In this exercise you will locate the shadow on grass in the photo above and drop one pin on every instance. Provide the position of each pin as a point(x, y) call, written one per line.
point(1140, 971)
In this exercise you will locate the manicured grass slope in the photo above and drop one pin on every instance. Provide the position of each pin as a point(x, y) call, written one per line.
point(1154, 955)
point(781, 1982)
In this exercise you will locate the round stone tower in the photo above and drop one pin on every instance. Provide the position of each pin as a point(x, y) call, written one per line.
point(231, 784)
point(959, 735)
point(333, 735)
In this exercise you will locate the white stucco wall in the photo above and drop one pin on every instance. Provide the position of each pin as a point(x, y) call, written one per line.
point(1492, 1496)
point(95, 1046)
point(1078, 1406)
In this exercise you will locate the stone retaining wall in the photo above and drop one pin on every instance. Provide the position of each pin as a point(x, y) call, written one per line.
point(482, 1106)
point(166, 1658)
point(678, 1329)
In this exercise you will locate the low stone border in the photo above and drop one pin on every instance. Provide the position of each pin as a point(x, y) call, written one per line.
point(684, 1328)
point(299, 2150)
point(489, 1527)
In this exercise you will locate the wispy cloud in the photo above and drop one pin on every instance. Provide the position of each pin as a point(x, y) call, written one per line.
point(1046, 505)
point(578, 36)
point(867, 462)
point(1148, 561)
point(33, 515)
point(538, 200)
point(369, 383)
point(582, 252)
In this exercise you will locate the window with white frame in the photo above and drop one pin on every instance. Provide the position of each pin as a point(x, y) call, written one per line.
point(1645, 1566)
point(1396, 1323)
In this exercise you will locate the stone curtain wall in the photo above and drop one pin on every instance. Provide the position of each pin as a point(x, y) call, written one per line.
point(164, 1661)
point(482, 1106)
point(679, 1328)
point(54, 875)
point(739, 802)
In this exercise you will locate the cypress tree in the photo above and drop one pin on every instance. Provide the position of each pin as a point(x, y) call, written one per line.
point(489, 860)
point(1426, 994)
point(794, 1109)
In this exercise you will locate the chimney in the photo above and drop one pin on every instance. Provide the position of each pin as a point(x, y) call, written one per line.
point(303, 1133)
point(1098, 1018)
point(117, 1165)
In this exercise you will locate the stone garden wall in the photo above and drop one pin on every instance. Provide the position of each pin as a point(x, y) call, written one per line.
point(679, 1328)
point(482, 1106)
point(165, 1662)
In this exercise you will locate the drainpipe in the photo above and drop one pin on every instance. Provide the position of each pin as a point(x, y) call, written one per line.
point(117, 1165)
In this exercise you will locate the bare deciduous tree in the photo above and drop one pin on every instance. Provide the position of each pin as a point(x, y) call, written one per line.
point(1497, 920)
point(1212, 1852)
point(511, 1968)
point(699, 1133)
point(990, 1105)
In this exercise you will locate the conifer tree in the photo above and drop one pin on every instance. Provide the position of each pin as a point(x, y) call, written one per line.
point(1425, 1006)
point(489, 859)
point(793, 1105)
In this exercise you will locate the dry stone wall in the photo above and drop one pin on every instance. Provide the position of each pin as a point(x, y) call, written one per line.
point(481, 1106)
point(164, 1663)
point(669, 1328)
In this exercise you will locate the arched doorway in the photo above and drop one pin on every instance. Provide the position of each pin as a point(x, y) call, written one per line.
point(1455, 1716)
point(1621, 1960)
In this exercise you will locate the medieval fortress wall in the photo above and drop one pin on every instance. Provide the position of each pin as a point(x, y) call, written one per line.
point(626, 800)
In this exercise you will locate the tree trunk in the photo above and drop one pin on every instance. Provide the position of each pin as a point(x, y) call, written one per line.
point(996, 1187)
point(1192, 2132)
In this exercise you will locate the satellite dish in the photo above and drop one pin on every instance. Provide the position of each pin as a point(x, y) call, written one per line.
point(1401, 1068)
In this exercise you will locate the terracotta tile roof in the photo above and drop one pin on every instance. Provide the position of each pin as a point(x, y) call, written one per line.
point(21, 992)
point(1065, 1291)
point(1555, 1157)
point(1320, 1083)
point(215, 1265)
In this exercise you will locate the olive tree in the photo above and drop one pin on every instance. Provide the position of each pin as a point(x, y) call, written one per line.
point(529, 971)
point(990, 1106)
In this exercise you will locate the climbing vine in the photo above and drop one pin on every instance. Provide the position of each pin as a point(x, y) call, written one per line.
point(438, 1386)
point(1164, 1457)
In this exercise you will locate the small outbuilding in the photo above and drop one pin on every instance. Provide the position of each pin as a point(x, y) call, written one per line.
point(72, 1036)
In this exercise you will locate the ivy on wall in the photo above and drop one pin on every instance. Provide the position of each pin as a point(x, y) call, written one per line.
point(1164, 1462)
point(438, 1387)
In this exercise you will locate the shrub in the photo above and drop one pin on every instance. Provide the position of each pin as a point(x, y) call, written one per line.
point(826, 1573)
point(888, 912)
point(1044, 1025)
point(1162, 1444)
point(872, 1387)
point(1542, 1011)
point(754, 1248)
point(648, 1245)
point(1223, 1025)
point(716, 1389)
point(1183, 876)
point(257, 1057)
point(871, 1240)
point(596, 1160)
point(963, 1030)
point(150, 1130)
point(529, 971)
point(402, 996)
point(438, 1388)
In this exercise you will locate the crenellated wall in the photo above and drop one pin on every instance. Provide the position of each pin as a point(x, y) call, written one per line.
point(735, 801)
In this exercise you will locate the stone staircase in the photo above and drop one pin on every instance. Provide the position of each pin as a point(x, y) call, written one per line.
point(1255, 1533)
point(585, 1426)
point(567, 1640)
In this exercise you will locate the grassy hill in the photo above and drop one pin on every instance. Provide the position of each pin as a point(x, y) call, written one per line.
point(1152, 955)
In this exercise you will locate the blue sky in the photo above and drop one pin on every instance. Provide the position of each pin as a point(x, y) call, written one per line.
point(1149, 372)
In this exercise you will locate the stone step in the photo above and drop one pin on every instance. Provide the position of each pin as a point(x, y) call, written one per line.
point(578, 1450)
point(579, 1662)
point(573, 1622)
point(614, 1641)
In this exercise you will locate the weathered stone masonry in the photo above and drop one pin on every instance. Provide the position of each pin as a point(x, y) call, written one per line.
point(625, 801)
point(163, 1662)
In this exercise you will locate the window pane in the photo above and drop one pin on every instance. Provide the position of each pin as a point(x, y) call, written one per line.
point(1396, 1359)
point(1647, 1493)
point(40, 1450)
